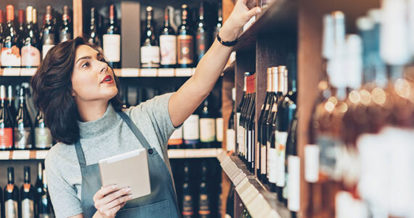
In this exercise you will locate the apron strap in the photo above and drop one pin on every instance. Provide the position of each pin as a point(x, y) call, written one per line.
point(135, 130)
point(80, 154)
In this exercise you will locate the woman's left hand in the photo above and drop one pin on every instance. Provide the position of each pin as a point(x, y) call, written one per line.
point(240, 15)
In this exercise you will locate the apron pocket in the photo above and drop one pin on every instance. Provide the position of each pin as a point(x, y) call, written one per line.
point(159, 209)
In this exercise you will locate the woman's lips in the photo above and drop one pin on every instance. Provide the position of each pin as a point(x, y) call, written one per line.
point(108, 80)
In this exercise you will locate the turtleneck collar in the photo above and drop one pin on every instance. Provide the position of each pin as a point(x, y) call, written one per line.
point(98, 127)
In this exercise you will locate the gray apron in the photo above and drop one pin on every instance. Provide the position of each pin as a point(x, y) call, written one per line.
point(162, 202)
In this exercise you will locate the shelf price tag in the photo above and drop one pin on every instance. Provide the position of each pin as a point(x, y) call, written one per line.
point(129, 72)
point(11, 72)
point(4, 155)
point(20, 155)
point(183, 72)
point(28, 71)
point(176, 153)
point(166, 72)
point(41, 154)
point(148, 72)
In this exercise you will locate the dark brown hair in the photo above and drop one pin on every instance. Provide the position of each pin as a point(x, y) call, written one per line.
point(52, 91)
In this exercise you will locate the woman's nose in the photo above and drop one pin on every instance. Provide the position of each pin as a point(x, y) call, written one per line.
point(103, 67)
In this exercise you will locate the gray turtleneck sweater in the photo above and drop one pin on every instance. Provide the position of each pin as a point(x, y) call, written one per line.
point(100, 139)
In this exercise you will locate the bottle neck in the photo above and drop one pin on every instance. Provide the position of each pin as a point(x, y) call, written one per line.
point(10, 177)
point(166, 18)
point(27, 177)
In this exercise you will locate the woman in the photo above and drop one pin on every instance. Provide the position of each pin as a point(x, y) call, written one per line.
point(78, 93)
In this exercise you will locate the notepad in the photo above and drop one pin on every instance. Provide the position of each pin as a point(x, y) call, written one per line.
point(127, 170)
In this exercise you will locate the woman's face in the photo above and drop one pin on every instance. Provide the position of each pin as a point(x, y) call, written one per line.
point(92, 78)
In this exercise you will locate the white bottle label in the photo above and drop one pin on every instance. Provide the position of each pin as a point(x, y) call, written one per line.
point(293, 183)
point(219, 129)
point(239, 132)
point(43, 138)
point(311, 163)
point(281, 138)
point(10, 208)
point(230, 139)
point(207, 129)
point(30, 56)
point(112, 47)
point(263, 169)
point(150, 56)
point(168, 47)
point(272, 163)
point(27, 208)
point(191, 128)
point(177, 134)
point(45, 49)
point(346, 206)
point(249, 145)
point(10, 57)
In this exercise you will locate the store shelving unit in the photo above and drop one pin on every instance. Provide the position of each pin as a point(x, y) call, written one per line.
point(172, 153)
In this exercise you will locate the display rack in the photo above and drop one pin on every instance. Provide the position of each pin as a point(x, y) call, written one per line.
point(172, 154)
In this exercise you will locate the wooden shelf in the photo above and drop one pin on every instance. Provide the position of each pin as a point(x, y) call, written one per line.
point(257, 199)
point(279, 17)
point(172, 153)
point(124, 72)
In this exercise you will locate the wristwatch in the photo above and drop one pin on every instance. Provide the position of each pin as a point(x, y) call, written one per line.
point(228, 44)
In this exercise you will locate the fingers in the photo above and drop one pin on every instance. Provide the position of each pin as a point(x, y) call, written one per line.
point(114, 195)
point(253, 12)
point(104, 191)
point(121, 201)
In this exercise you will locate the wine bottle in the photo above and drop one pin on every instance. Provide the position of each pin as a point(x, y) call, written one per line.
point(48, 32)
point(231, 127)
point(207, 126)
point(168, 42)
point(201, 37)
point(23, 128)
point(191, 130)
point(65, 32)
point(30, 50)
point(1, 30)
point(93, 36)
point(262, 136)
point(150, 51)
point(250, 126)
point(20, 28)
point(11, 196)
point(35, 26)
point(10, 53)
point(185, 40)
point(271, 126)
point(112, 41)
point(291, 191)
point(27, 196)
point(219, 128)
point(240, 120)
point(176, 139)
point(38, 188)
point(43, 136)
point(187, 200)
point(6, 122)
point(10, 101)
point(204, 200)
point(219, 23)
point(45, 204)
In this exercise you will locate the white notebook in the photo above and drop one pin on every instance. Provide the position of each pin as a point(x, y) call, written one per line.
point(127, 169)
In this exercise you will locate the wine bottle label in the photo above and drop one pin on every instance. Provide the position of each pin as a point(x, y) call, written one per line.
point(281, 138)
point(43, 138)
point(201, 45)
point(207, 129)
point(267, 159)
point(45, 215)
point(328, 155)
point(112, 47)
point(10, 56)
point(188, 206)
point(150, 56)
point(30, 56)
point(176, 137)
point(10, 208)
point(311, 163)
point(239, 139)
point(168, 46)
point(230, 139)
point(65, 37)
point(27, 208)
point(347, 206)
point(263, 156)
point(191, 128)
point(249, 146)
point(272, 165)
point(22, 138)
point(293, 190)
point(219, 129)
point(6, 138)
point(185, 49)
point(45, 49)
point(204, 208)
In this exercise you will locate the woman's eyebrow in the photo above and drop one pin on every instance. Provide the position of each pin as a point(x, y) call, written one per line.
point(82, 58)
